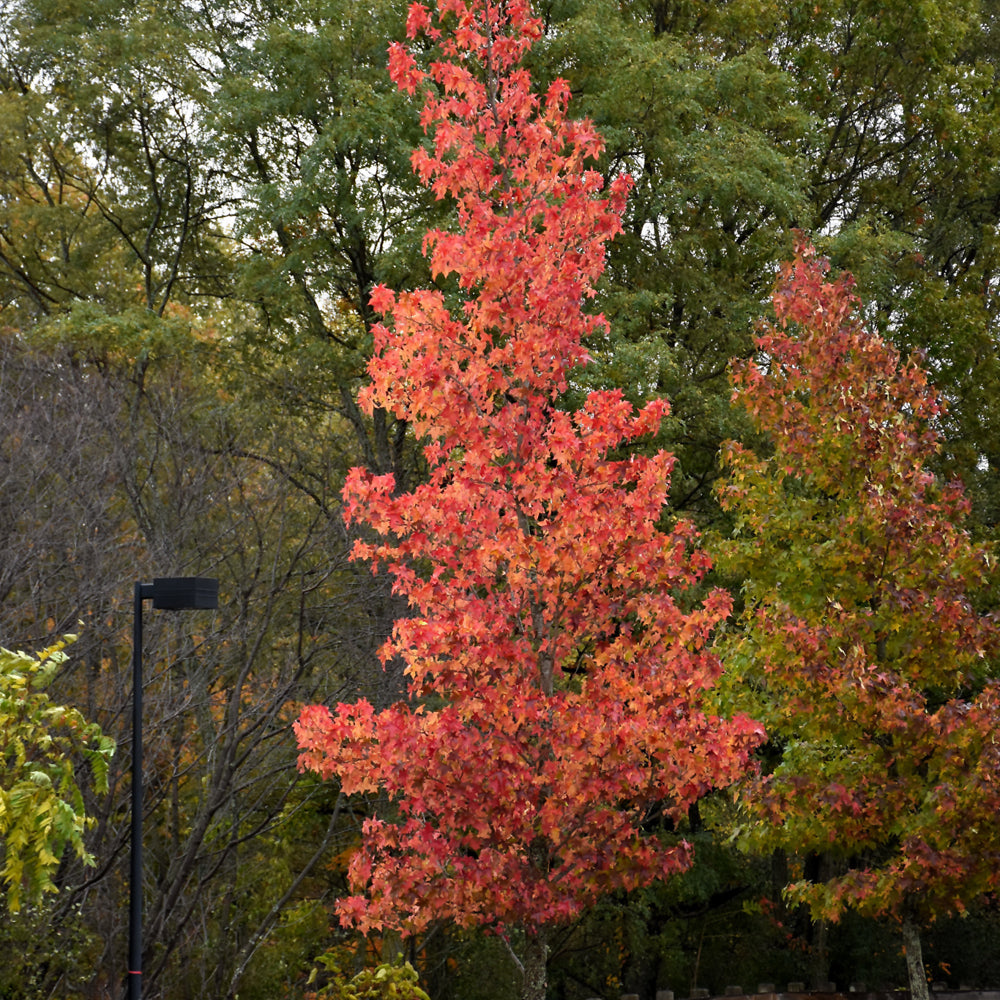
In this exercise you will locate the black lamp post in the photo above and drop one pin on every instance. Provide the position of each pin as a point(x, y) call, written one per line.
point(176, 593)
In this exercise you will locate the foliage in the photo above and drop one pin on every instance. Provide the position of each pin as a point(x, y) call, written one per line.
point(196, 200)
point(66, 951)
point(858, 644)
point(41, 804)
point(555, 675)
point(387, 981)
point(711, 136)
point(867, 124)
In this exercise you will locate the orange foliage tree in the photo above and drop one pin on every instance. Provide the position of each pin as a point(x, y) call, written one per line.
point(556, 678)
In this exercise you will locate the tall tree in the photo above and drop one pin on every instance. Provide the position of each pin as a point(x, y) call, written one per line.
point(710, 134)
point(858, 645)
point(556, 676)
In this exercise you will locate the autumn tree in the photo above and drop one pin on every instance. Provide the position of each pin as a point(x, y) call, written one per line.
point(859, 647)
point(555, 671)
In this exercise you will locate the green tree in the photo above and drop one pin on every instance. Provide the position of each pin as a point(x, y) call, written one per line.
point(315, 141)
point(108, 188)
point(710, 136)
point(868, 125)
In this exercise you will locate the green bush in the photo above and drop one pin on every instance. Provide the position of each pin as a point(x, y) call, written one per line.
point(388, 981)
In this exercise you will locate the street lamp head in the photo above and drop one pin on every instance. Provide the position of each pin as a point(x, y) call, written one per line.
point(178, 593)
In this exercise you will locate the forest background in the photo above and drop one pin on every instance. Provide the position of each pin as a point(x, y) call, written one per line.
point(196, 199)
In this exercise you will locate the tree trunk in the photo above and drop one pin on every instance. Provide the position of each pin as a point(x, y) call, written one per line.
point(536, 954)
point(914, 959)
point(820, 868)
point(820, 953)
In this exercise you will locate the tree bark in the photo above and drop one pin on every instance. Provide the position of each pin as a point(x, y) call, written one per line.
point(536, 955)
point(914, 959)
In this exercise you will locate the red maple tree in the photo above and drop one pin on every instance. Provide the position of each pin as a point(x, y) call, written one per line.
point(859, 647)
point(556, 682)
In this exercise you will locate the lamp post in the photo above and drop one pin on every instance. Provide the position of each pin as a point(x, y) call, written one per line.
point(176, 593)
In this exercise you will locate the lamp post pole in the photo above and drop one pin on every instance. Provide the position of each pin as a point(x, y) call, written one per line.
point(135, 874)
point(174, 594)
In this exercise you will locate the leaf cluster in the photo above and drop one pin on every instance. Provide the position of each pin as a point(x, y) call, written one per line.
point(387, 981)
point(41, 803)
